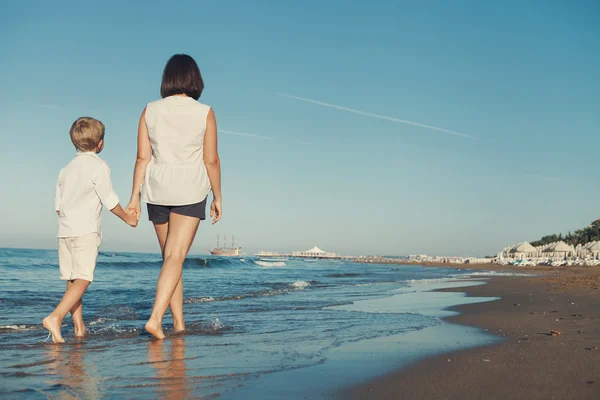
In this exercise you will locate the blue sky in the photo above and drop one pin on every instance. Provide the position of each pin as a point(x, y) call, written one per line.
point(329, 89)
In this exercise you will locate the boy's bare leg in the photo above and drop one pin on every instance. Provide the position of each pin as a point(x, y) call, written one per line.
point(182, 230)
point(176, 304)
point(72, 296)
point(77, 316)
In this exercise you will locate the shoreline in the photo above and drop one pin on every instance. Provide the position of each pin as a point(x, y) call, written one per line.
point(529, 363)
point(479, 266)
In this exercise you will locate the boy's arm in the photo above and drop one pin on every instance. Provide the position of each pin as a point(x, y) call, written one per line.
point(103, 187)
point(129, 219)
point(57, 195)
point(108, 197)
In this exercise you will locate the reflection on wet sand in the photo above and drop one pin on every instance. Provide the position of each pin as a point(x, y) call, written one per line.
point(169, 369)
point(69, 373)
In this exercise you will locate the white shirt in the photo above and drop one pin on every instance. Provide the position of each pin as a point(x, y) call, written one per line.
point(82, 189)
point(176, 174)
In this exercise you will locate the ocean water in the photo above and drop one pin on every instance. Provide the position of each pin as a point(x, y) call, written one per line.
point(254, 330)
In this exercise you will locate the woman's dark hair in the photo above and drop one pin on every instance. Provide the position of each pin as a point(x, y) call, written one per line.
point(182, 76)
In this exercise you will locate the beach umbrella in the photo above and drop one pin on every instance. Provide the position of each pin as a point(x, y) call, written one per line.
point(522, 249)
point(595, 248)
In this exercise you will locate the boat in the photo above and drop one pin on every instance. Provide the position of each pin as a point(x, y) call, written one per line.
point(226, 251)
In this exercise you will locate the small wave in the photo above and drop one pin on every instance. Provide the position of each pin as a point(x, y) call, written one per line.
point(495, 273)
point(129, 264)
point(270, 264)
point(19, 328)
point(435, 280)
point(99, 320)
point(343, 275)
point(113, 328)
point(216, 325)
point(300, 285)
point(285, 288)
point(210, 327)
point(190, 262)
point(114, 331)
point(193, 300)
point(214, 262)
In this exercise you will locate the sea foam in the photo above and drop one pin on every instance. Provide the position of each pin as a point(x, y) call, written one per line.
point(300, 284)
point(270, 263)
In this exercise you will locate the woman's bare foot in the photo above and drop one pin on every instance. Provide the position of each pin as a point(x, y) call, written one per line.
point(155, 329)
point(53, 325)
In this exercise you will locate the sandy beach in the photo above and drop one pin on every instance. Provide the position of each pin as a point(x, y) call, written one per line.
point(551, 347)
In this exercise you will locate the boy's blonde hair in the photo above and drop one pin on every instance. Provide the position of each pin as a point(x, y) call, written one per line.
point(86, 133)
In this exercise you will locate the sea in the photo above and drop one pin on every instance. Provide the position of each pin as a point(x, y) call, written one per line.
point(255, 330)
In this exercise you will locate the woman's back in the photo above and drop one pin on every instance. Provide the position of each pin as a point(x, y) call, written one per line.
point(176, 174)
point(176, 127)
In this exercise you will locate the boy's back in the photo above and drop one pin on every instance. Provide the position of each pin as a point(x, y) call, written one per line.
point(83, 187)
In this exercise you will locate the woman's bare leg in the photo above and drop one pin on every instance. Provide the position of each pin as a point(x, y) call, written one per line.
point(176, 306)
point(176, 303)
point(182, 230)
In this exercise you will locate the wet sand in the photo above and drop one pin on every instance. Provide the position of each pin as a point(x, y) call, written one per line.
point(531, 362)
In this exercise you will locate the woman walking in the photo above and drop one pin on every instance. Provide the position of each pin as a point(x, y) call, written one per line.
point(177, 166)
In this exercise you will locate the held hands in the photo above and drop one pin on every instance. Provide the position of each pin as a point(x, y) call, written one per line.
point(131, 219)
point(133, 211)
point(216, 211)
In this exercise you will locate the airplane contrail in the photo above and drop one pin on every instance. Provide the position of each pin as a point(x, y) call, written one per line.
point(378, 116)
point(53, 107)
point(246, 134)
point(542, 177)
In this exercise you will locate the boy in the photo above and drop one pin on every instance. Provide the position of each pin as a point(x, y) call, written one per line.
point(83, 187)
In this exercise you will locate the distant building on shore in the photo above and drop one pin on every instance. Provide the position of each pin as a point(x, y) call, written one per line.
point(557, 253)
point(314, 253)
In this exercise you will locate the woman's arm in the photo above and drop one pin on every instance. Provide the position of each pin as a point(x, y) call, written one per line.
point(144, 154)
point(213, 165)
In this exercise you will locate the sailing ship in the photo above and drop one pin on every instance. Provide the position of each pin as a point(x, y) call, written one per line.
point(226, 251)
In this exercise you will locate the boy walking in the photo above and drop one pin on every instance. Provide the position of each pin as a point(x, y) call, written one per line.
point(83, 187)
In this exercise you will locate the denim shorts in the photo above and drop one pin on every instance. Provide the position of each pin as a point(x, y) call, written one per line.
point(159, 214)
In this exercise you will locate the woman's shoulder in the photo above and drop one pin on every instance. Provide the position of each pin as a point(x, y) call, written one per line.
point(205, 108)
point(157, 103)
point(179, 100)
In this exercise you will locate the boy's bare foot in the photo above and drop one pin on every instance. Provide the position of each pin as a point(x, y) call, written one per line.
point(80, 331)
point(155, 329)
point(53, 325)
point(178, 327)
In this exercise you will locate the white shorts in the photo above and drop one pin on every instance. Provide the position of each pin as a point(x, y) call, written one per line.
point(77, 256)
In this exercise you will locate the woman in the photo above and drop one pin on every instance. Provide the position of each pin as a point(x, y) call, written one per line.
point(178, 165)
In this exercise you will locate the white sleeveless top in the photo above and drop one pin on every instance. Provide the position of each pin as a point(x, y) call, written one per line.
point(176, 174)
